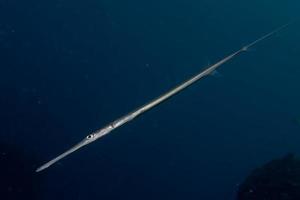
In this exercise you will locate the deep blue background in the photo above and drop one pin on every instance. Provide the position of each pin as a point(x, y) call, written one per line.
point(68, 67)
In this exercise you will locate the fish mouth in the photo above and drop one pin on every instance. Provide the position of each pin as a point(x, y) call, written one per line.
point(63, 155)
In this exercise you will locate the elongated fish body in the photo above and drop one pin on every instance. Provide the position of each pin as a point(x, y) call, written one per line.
point(130, 116)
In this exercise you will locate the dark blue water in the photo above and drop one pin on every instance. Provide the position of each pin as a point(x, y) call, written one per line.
point(69, 67)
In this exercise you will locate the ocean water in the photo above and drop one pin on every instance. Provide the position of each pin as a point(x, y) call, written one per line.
point(70, 67)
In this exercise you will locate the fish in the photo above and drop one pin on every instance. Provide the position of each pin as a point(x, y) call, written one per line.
point(210, 70)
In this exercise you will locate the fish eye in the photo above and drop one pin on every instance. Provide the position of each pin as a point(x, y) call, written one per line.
point(90, 136)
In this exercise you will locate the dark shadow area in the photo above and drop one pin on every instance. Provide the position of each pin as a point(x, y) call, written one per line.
point(277, 180)
point(23, 117)
point(18, 179)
